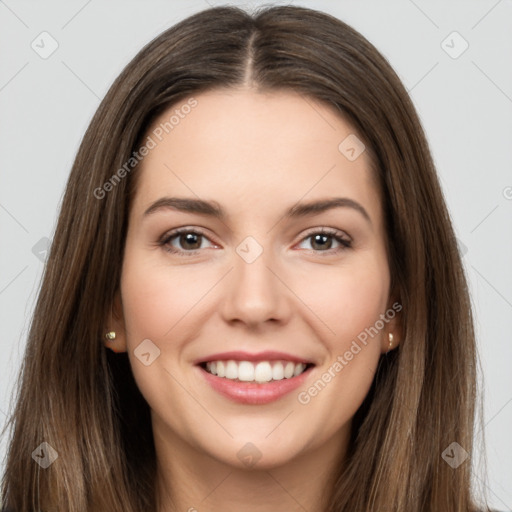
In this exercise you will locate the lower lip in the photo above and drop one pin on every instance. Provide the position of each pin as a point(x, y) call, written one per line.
point(254, 393)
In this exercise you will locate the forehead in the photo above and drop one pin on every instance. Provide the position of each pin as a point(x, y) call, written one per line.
point(240, 145)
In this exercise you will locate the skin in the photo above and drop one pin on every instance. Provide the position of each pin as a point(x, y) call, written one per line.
point(256, 154)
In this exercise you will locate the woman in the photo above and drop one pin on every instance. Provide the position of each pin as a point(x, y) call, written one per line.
point(249, 371)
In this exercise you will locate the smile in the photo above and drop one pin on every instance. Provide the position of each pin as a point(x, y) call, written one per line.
point(263, 371)
point(265, 381)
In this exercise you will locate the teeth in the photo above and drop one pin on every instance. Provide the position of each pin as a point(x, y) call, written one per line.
point(289, 370)
point(246, 371)
point(277, 371)
point(263, 372)
point(231, 370)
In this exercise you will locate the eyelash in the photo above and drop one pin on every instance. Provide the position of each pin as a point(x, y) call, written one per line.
point(345, 242)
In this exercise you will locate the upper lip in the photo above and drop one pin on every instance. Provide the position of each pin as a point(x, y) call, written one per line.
point(238, 355)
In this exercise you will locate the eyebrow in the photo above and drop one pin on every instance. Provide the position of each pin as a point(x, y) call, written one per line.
point(213, 209)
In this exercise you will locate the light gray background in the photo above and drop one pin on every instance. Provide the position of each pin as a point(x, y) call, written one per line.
point(465, 105)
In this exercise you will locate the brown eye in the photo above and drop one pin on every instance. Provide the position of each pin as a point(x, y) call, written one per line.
point(182, 241)
point(191, 241)
point(322, 241)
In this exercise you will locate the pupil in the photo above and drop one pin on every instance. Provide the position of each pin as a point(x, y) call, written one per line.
point(324, 237)
point(189, 239)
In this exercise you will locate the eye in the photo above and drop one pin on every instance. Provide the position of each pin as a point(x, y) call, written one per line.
point(189, 239)
point(321, 241)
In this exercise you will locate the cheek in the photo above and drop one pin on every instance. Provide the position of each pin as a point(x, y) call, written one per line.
point(350, 304)
point(156, 298)
point(348, 300)
point(157, 304)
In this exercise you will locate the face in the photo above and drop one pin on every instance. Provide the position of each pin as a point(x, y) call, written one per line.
point(267, 282)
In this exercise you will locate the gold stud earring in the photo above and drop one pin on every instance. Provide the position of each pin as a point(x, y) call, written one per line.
point(111, 336)
point(390, 341)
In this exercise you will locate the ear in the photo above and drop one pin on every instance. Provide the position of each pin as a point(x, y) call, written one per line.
point(115, 324)
point(392, 332)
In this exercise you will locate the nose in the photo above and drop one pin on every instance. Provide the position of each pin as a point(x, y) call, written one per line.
point(255, 293)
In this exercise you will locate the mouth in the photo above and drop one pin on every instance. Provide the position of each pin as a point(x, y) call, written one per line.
point(254, 382)
point(255, 371)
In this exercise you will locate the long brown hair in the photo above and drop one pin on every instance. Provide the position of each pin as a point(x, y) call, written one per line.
point(84, 402)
